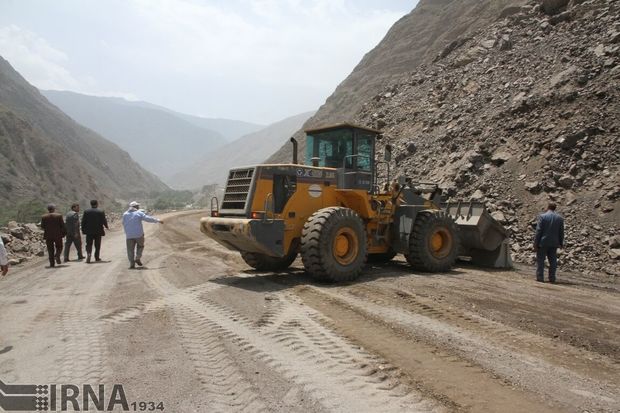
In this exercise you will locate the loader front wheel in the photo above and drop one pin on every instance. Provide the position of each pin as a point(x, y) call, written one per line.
point(262, 262)
point(333, 245)
point(434, 242)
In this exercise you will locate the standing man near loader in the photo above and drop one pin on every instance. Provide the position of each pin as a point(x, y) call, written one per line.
point(549, 236)
point(93, 224)
point(132, 223)
point(53, 231)
point(72, 223)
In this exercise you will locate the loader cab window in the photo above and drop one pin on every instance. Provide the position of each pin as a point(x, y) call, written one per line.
point(348, 149)
point(365, 144)
point(332, 148)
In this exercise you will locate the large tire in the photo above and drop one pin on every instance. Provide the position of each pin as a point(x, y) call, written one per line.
point(333, 245)
point(262, 262)
point(434, 242)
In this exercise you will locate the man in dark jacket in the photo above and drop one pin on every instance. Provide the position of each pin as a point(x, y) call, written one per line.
point(53, 231)
point(549, 236)
point(72, 223)
point(93, 224)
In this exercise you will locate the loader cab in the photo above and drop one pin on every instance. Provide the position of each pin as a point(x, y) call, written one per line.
point(348, 148)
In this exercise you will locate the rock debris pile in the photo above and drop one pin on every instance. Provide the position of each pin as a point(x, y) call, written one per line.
point(520, 113)
point(22, 242)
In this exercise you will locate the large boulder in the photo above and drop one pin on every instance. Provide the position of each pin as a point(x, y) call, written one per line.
point(552, 7)
point(18, 232)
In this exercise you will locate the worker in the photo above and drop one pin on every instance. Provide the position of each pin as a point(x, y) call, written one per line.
point(549, 236)
point(72, 223)
point(54, 231)
point(93, 223)
point(134, 232)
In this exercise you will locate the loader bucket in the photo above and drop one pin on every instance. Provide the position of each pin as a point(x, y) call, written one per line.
point(483, 239)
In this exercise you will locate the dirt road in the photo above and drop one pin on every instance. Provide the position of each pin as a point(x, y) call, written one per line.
point(197, 330)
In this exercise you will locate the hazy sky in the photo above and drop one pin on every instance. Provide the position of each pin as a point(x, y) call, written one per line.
point(254, 60)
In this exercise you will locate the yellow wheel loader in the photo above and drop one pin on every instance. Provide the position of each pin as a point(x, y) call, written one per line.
point(338, 212)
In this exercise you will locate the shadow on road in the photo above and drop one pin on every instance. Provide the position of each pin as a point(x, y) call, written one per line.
point(296, 276)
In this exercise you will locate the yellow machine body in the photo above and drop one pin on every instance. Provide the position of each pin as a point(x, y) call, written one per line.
point(315, 188)
point(337, 211)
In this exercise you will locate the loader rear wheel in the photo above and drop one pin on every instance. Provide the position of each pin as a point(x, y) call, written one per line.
point(262, 262)
point(434, 242)
point(333, 245)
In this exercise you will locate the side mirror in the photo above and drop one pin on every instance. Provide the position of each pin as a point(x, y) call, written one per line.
point(388, 153)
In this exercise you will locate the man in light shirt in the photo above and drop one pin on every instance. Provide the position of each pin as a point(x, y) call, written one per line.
point(4, 259)
point(132, 223)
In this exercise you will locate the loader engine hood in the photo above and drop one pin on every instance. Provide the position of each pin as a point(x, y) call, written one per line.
point(239, 192)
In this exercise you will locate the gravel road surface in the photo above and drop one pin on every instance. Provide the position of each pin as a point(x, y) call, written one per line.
point(197, 330)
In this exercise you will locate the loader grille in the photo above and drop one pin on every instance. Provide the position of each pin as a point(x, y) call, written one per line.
point(237, 189)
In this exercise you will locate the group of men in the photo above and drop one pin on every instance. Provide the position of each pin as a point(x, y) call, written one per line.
point(549, 236)
point(93, 226)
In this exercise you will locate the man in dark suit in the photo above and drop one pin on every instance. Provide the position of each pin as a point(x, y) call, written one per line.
point(549, 236)
point(72, 223)
point(93, 224)
point(53, 231)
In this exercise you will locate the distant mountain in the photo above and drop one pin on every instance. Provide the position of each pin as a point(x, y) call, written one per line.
point(230, 129)
point(161, 141)
point(46, 156)
point(247, 150)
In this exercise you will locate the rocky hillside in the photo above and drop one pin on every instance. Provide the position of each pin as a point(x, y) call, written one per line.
point(250, 149)
point(46, 156)
point(413, 40)
point(516, 113)
point(160, 141)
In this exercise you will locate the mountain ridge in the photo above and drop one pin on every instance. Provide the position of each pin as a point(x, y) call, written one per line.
point(47, 156)
point(250, 149)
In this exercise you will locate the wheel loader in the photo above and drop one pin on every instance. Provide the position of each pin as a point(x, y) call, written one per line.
point(338, 211)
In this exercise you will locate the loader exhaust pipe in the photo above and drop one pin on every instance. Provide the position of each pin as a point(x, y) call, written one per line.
point(295, 145)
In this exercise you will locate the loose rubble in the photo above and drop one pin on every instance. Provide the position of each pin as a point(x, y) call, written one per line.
point(22, 242)
point(520, 113)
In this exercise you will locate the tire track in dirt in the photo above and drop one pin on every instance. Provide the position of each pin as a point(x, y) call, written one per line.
point(553, 351)
point(83, 356)
point(556, 313)
point(328, 372)
point(227, 389)
point(581, 305)
point(576, 315)
point(293, 344)
point(134, 312)
point(219, 375)
point(564, 386)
